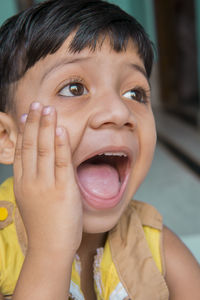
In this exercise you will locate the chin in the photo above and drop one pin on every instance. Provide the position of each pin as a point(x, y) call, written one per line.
point(104, 220)
point(92, 226)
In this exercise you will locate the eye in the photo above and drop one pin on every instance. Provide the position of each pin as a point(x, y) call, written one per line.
point(138, 95)
point(75, 89)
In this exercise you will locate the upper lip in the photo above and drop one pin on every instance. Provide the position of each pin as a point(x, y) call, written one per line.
point(111, 149)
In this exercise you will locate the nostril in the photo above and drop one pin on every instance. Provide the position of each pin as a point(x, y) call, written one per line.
point(129, 125)
point(98, 122)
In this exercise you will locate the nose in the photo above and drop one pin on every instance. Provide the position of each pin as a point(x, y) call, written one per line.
point(111, 111)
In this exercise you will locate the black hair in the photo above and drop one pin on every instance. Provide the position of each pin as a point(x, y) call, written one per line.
point(42, 29)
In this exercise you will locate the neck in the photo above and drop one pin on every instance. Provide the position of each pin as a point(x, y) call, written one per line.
point(86, 252)
point(89, 245)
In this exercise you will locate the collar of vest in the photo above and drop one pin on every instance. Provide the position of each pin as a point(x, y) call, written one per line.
point(131, 254)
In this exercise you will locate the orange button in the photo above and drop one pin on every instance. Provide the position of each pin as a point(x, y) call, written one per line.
point(3, 213)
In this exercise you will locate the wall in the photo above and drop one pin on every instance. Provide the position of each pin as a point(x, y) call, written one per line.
point(143, 11)
point(197, 4)
point(7, 9)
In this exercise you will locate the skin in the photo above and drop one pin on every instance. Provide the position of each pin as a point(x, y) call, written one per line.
point(54, 137)
point(105, 117)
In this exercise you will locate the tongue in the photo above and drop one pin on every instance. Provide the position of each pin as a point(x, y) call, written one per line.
point(100, 180)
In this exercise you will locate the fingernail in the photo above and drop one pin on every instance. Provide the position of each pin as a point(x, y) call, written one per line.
point(47, 110)
point(60, 131)
point(23, 118)
point(35, 105)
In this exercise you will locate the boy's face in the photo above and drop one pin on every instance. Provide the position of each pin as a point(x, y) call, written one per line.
point(102, 99)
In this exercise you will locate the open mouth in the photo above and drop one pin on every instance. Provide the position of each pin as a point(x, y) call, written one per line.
point(102, 178)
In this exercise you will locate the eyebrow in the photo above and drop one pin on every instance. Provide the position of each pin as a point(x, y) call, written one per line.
point(141, 70)
point(61, 63)
point(66, 61)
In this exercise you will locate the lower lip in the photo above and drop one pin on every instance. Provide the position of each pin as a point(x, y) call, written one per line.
point(99, 203)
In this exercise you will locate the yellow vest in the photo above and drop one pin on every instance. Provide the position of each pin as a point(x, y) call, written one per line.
point(130, 266)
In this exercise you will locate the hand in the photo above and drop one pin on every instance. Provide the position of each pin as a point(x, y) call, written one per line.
point(44, 183)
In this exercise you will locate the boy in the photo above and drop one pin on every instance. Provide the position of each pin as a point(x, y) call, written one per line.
point(76, 120)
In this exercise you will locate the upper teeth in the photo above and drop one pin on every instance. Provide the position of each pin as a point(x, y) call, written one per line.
point(114, 154)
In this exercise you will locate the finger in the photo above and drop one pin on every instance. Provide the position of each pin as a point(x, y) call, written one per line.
point(17, 165)
point(29, 143)
point(46, 146)
point(63, 166)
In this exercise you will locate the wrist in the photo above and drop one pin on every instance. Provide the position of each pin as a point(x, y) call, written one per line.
point(46, 274)
point(51, 254)
point(51, 248)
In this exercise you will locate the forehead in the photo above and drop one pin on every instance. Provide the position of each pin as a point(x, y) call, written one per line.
point(63, 57)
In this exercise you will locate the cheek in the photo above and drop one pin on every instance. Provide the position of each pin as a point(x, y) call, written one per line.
point(147, 147)
point(146, 132)
point(74, 125)
point(147, 141)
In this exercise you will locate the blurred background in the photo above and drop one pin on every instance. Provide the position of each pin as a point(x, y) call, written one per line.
point(173, 183)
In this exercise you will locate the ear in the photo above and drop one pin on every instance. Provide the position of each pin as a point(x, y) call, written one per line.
point(8, 137)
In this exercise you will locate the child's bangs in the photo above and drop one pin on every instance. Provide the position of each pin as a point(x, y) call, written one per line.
point(118, 36)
